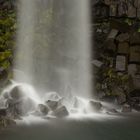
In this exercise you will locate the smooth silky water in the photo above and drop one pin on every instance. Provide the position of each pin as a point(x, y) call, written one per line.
point(53, 56)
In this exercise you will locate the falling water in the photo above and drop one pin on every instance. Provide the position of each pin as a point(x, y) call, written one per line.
point(53, 46)
point(52, 60)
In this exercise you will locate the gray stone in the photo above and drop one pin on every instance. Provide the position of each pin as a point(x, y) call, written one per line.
point(16, 93)
point(122, 8)
point(77, 103)
point(52, 104)
point(126, 108)
point(131, 11)
point(121, 98)
point(122, 37)
point(43, 109)
point(97, 63)
point(123, 48)
point(120, 63)
point(61, 112)
point(111, 111)
point(113, 34)
point(135, 38)
point(95, 106)
point(119, 25)
point(3, 112)
point(52, 96)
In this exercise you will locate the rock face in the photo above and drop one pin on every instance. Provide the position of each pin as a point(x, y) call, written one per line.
point(61, 112)
point(95, 106)
point(126, 108)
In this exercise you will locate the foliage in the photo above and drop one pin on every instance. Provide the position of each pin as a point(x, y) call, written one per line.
point(110, 80)
point(7, 41)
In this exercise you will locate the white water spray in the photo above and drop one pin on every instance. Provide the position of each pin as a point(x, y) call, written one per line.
point(53, 51)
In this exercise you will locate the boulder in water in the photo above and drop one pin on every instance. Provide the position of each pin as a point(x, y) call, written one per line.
point(95, 106)
point(16, 93)
point(126, 108)
point(20, 107)
point(61, 112)
point(52, 96)
point(43, 109)
point(52, 104)
point(3, 112)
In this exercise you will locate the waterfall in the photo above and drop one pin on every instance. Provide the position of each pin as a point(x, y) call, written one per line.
point(53, 46)
point(52, 73)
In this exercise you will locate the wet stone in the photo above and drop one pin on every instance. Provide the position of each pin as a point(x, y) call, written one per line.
point(43, 109)
point(126, 108)
point(95, 106)
point(52, 104)
point(135, 38)
point(123, 37)
point(16, 93)
point(61, 112)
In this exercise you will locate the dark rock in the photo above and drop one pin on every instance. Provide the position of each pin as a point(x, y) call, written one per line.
point(3, 112)
point(120, 26)
point(131, 11)
point(16, 93)
point(52, 96)
point(109, 44)
point(134, 57)
point(123, 48)
point(61, 112)
point(121, 61)
point(20, 107)
point(111, 111)
point(137, 107)
point(122, 8)
point(135, 38)
point(6, 122)
point(109, 99)
point(97, 63)
point(113, 34)
point(95, 106)
point(123, 37)
point(121, 97)
point(52, 104)
point(126, 108)
point(43, 109)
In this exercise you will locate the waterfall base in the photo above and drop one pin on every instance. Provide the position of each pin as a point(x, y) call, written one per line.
point(22, 102)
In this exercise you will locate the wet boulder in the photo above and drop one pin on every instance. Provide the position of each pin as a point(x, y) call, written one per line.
point(126, 108)
point(52, 96)
point(16, 93)
point(43, 109)
point(52, 104)
point(123, 37)
point(95, 106)
point(3, 112)
point(78, 103)
point(112, 111)
point(20, 107)
point(61, 112)
point(6, 122)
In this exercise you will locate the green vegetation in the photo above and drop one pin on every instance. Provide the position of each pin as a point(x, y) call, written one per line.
point(7, 38)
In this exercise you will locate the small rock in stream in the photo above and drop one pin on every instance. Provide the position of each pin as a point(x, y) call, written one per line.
point(61, 112)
